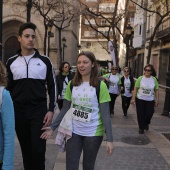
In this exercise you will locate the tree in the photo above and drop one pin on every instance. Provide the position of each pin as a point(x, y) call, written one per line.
point(94, 15)
point(152, 9)
point(60, 13)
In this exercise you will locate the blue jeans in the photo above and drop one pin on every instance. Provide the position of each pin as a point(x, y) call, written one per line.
point(74, 147)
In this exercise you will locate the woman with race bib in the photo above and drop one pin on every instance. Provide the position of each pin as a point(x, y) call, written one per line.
point(90, 115)
point(146, 96)
point(62, 80)
point(114, 81)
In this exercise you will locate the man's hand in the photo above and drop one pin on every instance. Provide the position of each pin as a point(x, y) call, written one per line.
point(48, 119)
point(47, 134)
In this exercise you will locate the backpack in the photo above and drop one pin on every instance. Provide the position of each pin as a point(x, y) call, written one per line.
point(97, 89)
point(1, 91)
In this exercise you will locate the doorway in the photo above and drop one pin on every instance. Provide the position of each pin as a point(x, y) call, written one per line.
point(11, 47)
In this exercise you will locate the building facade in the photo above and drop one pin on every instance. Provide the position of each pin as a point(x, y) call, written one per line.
point(14, 14)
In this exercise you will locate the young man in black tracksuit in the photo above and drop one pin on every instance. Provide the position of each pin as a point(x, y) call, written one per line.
point(28, 74)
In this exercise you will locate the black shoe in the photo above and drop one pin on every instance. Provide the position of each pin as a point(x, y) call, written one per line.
point(141, 131)
point(147, 127)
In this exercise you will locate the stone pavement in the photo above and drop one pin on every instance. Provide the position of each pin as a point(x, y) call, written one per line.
point(132, 151)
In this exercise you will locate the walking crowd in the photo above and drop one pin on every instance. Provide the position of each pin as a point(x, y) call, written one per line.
point(86, 102)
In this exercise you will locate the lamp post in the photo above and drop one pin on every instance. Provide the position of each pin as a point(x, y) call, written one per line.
point(128, 33)
point(64, 45)
point(1, 14)
point(50, 34)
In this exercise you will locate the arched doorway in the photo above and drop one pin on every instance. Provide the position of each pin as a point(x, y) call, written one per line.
point(10, 48)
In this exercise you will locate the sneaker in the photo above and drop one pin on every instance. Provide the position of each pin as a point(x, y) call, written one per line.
point(141, 131)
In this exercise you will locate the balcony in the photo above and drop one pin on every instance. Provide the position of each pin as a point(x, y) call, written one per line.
point(163, 31)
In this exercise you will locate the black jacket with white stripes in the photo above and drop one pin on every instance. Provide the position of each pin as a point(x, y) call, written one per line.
point(28, 82)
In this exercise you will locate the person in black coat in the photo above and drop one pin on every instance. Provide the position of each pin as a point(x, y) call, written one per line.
point(62, 79)
point(127, 86)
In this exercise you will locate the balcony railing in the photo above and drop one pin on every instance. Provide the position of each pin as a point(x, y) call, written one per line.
point(164, 29)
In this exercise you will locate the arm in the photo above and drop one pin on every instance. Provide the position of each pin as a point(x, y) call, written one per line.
point(156, 97)
point(52, 91)
point(8, 123)
point(134, 95)
point(105, 115)
point(52, 87)
point(49, 130)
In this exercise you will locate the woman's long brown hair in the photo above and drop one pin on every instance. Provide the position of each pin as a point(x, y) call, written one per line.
point(94, 72)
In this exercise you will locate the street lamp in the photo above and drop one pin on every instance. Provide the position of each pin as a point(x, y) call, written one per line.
point(50, 34)
point(1, 16)
point(128, 33)
point(64, 45)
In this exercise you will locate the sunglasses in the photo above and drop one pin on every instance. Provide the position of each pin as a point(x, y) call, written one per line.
point(66, 67)
point(147, 70)
point(126, 71)
point(114, 68)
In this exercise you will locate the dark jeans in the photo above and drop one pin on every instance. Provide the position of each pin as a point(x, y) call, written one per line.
point(0, 166)
point(74, 147)
point(28, 129)
point(145, 110)
point(125, 104)
point(112, 102)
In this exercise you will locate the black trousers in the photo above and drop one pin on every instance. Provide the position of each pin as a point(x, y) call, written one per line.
point(145, 110)
point(0, 166)
point(112, 102)
point(125, 104)
point(28, 129)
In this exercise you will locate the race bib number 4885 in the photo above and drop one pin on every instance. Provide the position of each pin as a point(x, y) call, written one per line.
point(81, 113)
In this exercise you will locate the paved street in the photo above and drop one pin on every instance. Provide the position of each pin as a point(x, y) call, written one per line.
point(132, 151)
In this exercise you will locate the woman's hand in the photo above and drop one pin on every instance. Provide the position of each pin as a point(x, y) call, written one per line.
point(132, 102)
point(47, 134)
point(156, 104)
point(109, 148)
point(59, 97)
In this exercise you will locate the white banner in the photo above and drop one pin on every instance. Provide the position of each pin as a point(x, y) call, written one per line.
point(112, 52)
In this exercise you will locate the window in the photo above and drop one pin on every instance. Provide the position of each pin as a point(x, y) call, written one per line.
point(140, 29)
point(89, 33)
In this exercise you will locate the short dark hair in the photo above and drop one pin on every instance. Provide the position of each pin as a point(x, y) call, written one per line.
point(26, 26)
point(62, 65)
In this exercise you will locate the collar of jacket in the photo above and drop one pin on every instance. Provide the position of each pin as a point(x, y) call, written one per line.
point(36, 52)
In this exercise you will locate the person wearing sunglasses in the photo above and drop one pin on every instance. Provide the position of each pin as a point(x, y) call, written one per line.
point(62, 80)
point(113, 81)
point(127, 87)
point(145, 96)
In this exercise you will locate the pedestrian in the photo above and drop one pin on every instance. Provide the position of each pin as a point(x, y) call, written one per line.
point(89, 114)
point(127, 86)
point(30, 75)
point(7, 124)
point(145, 96)
point(114, 81)
point(62, 81)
